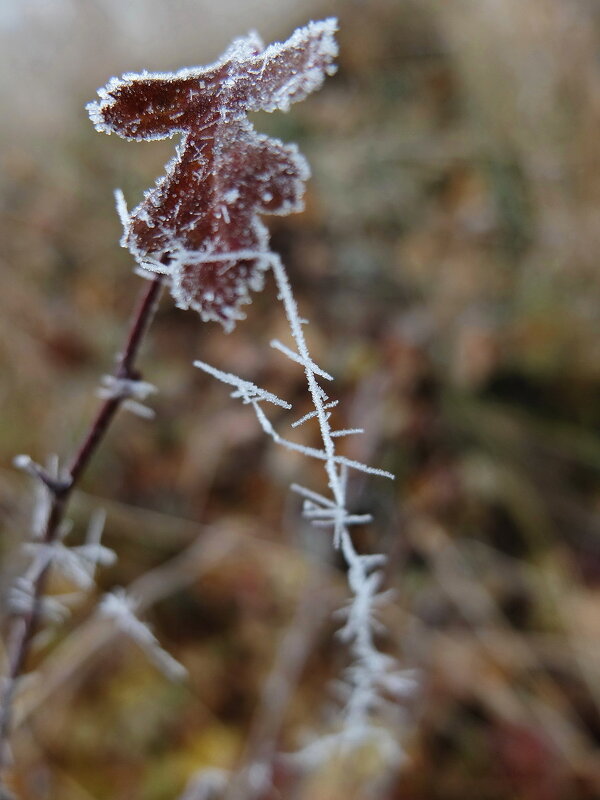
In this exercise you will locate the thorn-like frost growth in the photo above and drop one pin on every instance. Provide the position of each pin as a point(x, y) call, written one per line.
point(77, 564)
point(313, 414)
point(249, 392)
point(132, 392)
point(368, 682)
point(277, 345)
point(120, 608)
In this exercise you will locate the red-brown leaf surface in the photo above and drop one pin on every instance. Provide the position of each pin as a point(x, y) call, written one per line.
point(200, 224)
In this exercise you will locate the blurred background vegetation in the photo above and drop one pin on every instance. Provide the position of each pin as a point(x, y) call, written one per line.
point(448, 259)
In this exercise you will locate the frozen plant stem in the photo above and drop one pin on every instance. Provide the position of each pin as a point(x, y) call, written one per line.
point(60, 489)
point(373, 676)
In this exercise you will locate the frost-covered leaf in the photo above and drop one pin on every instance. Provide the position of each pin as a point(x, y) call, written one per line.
point(199, 225)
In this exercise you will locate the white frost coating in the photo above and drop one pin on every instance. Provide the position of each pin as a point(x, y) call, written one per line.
point(313, 414)
point(232, 173)
point(131, 392)
point(23, 461)
point(346, 432)
point(249, 392)
point(122, 211)
point(372, 673)
point(77, 564)
point(21, 601)
point(206, 784)
point(318, 38)
point(231, 195)
point(277, 345)
point(120, 607)
point(310, 452)
point(167, 234)
point(181, 258)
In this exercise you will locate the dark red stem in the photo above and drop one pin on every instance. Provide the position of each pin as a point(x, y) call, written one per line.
point(24, 626)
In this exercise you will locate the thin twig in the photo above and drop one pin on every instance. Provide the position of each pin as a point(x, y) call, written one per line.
point(24, 626)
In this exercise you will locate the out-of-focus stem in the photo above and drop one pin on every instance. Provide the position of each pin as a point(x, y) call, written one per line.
point(61, 489)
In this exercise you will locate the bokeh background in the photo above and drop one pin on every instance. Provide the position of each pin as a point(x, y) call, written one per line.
point(448, 258)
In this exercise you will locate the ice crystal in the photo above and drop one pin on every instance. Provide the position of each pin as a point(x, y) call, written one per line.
point(200, 224)
point(76, 563)
point(121, 608)
point(132, 392)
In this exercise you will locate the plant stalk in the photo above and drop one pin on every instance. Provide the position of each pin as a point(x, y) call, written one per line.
point(61, 489)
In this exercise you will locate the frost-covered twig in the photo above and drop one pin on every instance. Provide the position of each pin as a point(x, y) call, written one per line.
point(49, 530)
point(373, 675)
point(210, 546)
